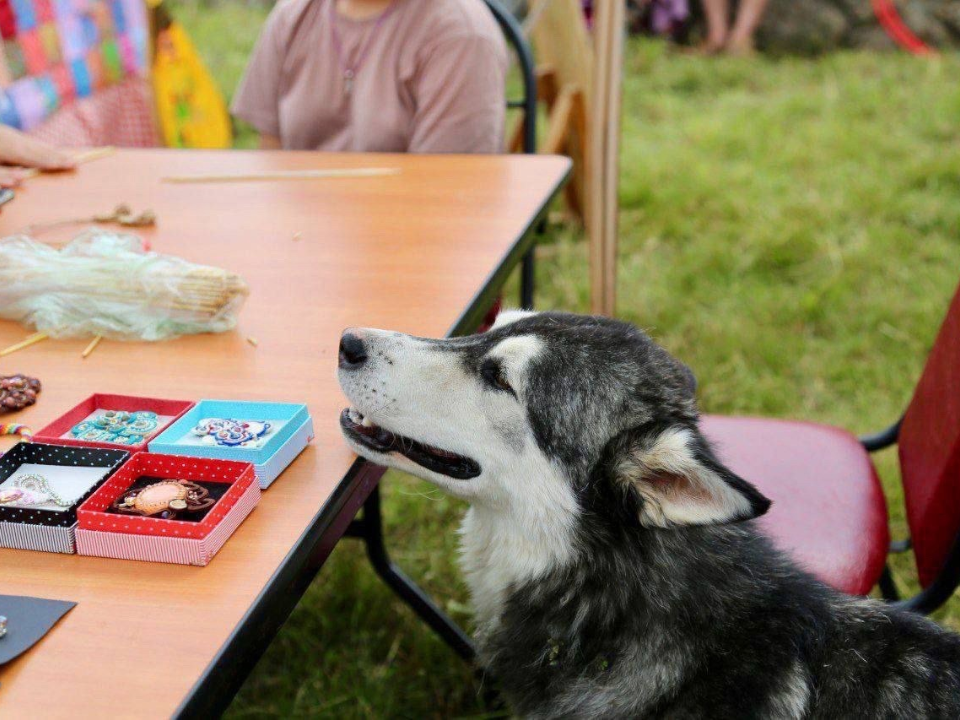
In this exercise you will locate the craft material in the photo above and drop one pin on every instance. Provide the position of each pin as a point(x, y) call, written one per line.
point(284, 175)
point(253, 341)
point(122, 215)
point(165, 499)
point(27, 342)
point(17, 392)
point(117, 426)
point(16, 429)
point(39, 486)
point(105, 283)
point(231, 433)
point(91, 347)
point(3, 626)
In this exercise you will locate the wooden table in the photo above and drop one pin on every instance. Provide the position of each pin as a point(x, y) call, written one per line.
point(422, 252)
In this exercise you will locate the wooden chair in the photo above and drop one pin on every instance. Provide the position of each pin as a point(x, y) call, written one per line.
point(829, 510)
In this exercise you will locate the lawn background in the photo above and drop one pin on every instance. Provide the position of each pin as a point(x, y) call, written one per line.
point(789, 227)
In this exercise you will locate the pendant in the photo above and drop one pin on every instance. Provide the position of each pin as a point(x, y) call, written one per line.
point(348, 76)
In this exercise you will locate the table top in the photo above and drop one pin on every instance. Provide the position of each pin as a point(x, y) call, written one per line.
point(409, 251)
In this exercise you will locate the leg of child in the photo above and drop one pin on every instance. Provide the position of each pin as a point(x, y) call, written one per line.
point(717, 13)
point(749, 15)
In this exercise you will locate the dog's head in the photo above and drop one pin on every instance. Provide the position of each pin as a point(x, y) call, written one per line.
point(539, 409)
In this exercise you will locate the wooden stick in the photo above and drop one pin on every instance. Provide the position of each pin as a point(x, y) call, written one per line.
point(91, 347)
point(284, 175)
point(30, 340)
point(611, 171)
point(79, 159)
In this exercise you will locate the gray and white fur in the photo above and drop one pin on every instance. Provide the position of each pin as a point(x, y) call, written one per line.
point(614, 564)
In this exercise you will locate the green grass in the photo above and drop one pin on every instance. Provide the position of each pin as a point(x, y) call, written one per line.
point(788, 227)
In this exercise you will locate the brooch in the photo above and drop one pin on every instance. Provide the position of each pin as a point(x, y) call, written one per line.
point(31, 490)
point(165, 499)
point(232, 433)
point(117, 426)
point(17, 392)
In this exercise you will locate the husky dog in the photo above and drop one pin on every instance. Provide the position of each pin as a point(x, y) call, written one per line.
point(613, 563)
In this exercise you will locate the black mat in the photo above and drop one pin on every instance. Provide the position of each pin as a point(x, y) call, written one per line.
point(28, 620)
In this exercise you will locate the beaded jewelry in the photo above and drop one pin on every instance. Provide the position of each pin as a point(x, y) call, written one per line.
point(117, 426)
point(3, 625)
point(37, 489)
point(232, 433)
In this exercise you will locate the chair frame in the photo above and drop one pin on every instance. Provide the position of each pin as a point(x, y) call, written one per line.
point(947, 580)
point(527, 104)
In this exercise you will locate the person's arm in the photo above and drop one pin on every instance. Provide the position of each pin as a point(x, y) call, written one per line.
point(16, 148)
point(257, 100)
point(460, 95)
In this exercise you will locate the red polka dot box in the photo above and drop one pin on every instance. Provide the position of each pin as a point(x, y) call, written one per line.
point(109, 528)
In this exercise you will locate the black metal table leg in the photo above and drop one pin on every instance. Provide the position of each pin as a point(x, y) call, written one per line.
point(527, 280)
point(369, 528)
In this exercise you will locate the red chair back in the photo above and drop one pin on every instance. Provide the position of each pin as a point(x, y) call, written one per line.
point(929, 445)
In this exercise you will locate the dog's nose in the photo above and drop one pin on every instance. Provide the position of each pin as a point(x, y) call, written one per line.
point(353, 352)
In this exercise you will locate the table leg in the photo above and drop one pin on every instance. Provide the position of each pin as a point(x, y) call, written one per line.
point(527, 280)
point(369, 528)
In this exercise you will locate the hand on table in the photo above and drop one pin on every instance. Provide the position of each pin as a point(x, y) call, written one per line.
point(25, 151)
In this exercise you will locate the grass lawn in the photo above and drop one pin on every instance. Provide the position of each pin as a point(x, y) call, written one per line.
point(790, 228)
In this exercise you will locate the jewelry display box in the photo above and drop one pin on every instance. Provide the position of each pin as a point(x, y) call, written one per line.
point(188, 538)
point(269, 435)
point(121, 422)
point(55, 474)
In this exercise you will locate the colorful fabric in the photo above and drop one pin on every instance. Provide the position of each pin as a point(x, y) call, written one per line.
point(58, 51)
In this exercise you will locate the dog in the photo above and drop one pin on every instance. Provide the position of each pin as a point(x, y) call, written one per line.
point(613, 561)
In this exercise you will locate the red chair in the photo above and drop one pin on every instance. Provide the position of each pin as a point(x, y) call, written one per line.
point(828, 509)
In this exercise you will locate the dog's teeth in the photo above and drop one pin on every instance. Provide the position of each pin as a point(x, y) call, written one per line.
point(366, 422)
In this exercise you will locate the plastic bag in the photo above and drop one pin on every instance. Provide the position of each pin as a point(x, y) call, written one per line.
point(104, 283)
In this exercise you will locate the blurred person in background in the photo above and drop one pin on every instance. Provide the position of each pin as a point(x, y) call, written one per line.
point(419, 76)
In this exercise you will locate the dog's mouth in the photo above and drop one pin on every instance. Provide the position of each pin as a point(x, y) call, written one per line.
point(376, 438)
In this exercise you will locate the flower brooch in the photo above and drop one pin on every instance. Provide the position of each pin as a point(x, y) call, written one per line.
point(232, 433)
point(166, 499)
point(117, 426)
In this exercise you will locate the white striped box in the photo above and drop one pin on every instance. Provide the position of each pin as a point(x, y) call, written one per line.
point(46, 538)
point(158, 548)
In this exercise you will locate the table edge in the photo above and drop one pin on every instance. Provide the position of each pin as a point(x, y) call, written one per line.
point(222, 678)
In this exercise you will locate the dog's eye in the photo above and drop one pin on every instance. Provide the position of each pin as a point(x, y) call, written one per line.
point(493, 373)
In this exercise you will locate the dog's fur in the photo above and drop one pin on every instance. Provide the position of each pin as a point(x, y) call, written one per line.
point(613, 562)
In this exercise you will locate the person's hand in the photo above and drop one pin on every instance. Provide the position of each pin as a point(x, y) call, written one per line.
point(25, 151)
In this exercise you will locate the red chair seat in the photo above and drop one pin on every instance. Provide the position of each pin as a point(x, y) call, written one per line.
point(828, 511)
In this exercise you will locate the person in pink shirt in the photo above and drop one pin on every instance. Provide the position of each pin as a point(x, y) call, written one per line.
point(419, 76)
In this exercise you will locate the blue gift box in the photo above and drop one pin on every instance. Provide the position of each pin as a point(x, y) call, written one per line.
point(291, 432)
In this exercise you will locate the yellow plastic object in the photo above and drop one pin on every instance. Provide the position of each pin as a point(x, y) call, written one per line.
point(190, 108)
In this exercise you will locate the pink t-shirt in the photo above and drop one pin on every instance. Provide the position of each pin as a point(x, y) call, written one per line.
point(428, 77)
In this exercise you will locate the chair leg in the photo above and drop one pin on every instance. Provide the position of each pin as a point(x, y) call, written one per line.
point(527, 281)
point(888, 588)
point(370, 529)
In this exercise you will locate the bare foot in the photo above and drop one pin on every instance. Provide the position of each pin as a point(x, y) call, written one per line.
point(707, 47)
point(740, 47)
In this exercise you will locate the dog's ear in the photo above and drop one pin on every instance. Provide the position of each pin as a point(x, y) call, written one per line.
point(680, 481)
point(505, 317)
